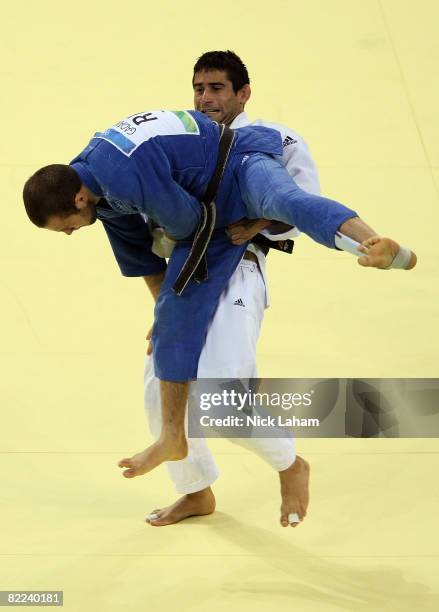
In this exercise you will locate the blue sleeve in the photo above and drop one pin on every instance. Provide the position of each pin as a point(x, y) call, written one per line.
point(131, 243)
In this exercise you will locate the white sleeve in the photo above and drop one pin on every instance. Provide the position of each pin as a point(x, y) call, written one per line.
point(296, 157)
point(300, 166)
point(299, 163)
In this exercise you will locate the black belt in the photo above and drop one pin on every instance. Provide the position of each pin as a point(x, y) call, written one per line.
point(195, 265)
point(265, 244)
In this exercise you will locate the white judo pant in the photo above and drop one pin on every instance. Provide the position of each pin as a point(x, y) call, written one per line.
point(229, 352)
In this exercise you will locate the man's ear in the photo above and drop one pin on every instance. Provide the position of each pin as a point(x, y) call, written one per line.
point(81, 198)
point(244, 94)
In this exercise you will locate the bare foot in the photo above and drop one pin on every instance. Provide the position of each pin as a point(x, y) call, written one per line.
point(192, 504)
point(154, 455)
point(380, 253)
point(294, 488)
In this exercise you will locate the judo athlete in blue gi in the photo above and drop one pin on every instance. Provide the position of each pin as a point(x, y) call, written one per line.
point(157, 165)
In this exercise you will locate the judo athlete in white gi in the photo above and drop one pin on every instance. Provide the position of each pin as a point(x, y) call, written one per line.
point(221, 90)
point(159, 164)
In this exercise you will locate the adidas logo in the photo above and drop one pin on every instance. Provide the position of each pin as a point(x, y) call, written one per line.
point(239, 302)
point(289, 141)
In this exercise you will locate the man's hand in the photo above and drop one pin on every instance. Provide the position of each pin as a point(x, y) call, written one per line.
point(244, 230)
point(149, 339)
point(380, 253)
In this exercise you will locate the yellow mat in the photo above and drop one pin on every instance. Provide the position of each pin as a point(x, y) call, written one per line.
point(358, 79)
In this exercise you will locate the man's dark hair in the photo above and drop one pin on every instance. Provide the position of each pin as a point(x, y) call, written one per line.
point(227, 61)
point(51, 191)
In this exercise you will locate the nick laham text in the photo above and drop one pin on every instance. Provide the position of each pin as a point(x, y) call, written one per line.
point(257, 421)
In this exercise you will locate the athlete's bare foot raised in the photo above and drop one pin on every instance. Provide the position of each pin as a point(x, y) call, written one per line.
point(163, 450)
point(380, 253)
point(192, 504)
point(294, 488)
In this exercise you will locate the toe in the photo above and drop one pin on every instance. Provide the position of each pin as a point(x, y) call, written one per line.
point(129, 473)
point(159, 522)
point(294, 518)
point(124, 463)
point(365, 261)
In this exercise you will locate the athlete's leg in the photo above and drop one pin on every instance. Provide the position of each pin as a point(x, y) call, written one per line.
point(230, 352)
point(172, 443)
point(192, 476)
point(269, 192)
point(198, 470)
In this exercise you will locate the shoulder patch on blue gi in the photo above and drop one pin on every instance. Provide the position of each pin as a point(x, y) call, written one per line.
point(128, 134)
point(188, 121)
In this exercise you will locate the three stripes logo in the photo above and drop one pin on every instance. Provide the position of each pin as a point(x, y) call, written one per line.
point(288, 141)
point(239, 302)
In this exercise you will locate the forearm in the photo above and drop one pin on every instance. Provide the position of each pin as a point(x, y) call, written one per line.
point(154, 283)
point(260, 224)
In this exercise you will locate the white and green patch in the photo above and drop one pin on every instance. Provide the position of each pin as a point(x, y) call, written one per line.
point(188, 121)
point(128, 134)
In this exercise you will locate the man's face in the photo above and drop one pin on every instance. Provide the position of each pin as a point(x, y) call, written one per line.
point(214, 96)
point(85, 216)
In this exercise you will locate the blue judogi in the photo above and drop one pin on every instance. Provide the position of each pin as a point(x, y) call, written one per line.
point(157, 165)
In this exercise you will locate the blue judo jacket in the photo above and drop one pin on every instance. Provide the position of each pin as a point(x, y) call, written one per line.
point(157, 165)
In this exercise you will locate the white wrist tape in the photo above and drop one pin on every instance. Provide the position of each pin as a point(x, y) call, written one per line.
point(402, 258)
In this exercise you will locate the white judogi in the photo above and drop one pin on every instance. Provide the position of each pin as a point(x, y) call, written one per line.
point(233, 354)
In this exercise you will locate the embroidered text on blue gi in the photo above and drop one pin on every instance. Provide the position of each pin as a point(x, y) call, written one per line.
point(124, 126)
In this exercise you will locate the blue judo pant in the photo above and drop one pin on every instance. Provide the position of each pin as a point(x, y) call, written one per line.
point(266, 191)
